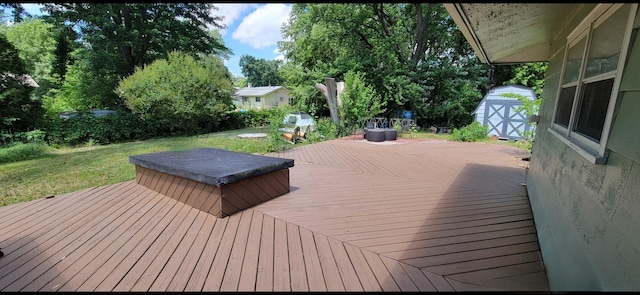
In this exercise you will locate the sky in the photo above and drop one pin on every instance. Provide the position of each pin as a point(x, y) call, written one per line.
point(252, 29)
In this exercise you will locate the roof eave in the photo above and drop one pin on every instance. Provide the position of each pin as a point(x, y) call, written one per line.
point(458, 16)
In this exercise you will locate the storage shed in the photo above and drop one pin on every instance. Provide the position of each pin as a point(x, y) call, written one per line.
point(498, 112)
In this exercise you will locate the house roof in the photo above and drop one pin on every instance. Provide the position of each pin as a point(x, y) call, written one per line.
point(504, 89)
point(257, 91)
point(24, 79)
point(504, 33)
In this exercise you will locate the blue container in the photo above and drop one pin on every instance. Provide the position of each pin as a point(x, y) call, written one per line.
point(407, 114)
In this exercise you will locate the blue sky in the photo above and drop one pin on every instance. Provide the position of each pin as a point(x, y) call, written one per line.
point(252, 29)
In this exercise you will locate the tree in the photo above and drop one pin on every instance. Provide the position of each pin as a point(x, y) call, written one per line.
point(180, 92)
point(18, 112)
point(17, 12)
point(117, 38)
point(142, 32)
point(529, 75)
point(35, 41)
point(259, 71)
point(405, 51)
point(359, 101)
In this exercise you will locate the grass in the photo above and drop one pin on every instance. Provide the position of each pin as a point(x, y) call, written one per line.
point(59, 171)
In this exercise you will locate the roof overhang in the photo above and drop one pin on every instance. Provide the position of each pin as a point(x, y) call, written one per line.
point(507, 33)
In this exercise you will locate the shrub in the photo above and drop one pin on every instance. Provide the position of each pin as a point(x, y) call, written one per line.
point(118, 127)
point(472, 132)
point(180, 91)
point(22, 151)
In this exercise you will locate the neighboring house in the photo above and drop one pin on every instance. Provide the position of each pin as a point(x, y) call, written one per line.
point(264, 97)
point(499, 113)
point(584, 176)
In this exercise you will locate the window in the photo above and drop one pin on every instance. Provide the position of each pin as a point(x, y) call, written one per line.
point(590, 79)
point(281, 98)
point(257, 99)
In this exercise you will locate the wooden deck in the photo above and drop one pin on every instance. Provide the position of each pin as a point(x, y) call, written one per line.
point(421, 216)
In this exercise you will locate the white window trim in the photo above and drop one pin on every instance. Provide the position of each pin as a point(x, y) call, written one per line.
point(595, 153)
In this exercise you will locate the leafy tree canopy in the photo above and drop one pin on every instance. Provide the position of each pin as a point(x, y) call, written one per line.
point(142, 32)
point(412, 54)
point(17, 111)
point(259, 71)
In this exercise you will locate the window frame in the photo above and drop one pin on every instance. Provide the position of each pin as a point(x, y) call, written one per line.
point(594, 152)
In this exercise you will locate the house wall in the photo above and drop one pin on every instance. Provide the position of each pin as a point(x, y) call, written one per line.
point(588, 216)
point(273, 99)
point(269, 100)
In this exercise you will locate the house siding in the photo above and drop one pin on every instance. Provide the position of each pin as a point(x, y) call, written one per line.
point(267, 101)
point(588, 216)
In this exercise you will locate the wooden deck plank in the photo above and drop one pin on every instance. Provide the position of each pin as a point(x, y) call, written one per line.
point(365, 275)
point(456, 243)
point(297, 269)
point(180, 279)
point(264, 275)
point(415, 228)
point(438, 281)
point(219, 264)
point(487, 263)
point(38, 259)
point(446, 237)
point(90, 276)
point(328, 264)
point(163, 280)
point(312, 261)
point(125, 260)
point(71, 266)
point(46, 221)
point(467, 256)
point(142, 274)
point(281, 276)
point(399, 275)
point(199, 274)
point(419, 279)
point(381, 272)
point(231, 277)
point(249, 272)
point(457, 223)
point(347, 272)
point(43, 266)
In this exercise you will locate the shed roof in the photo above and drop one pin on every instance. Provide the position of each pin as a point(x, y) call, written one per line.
point(500, 89)
point(257, 91)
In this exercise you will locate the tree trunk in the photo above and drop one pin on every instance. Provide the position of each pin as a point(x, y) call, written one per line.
point(329, 91)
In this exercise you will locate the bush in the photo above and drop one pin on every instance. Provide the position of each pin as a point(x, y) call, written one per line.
point(181, 91)
point(22, 152)
point(118, 127)
point(472, 132)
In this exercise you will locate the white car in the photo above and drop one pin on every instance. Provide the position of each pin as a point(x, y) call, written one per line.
point(299, 119)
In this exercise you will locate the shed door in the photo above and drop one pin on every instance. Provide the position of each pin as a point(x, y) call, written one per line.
point(502, 119)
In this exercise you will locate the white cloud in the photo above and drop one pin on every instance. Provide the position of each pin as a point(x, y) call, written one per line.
point(261, 28)
point(231, 13)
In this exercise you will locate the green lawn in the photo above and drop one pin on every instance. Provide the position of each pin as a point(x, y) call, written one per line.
point(66, 170)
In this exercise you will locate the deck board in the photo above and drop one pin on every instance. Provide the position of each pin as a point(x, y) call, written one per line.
point(421, 216)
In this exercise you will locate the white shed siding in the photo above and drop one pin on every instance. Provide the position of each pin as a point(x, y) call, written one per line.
point(502, 119)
